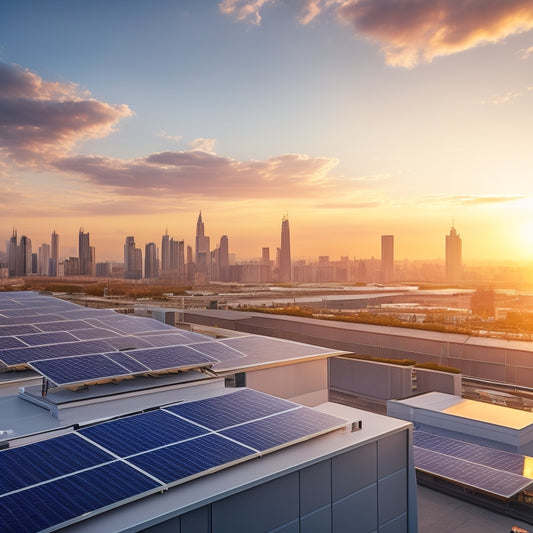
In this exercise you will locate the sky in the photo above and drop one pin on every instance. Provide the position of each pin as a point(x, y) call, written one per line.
point(356, 118)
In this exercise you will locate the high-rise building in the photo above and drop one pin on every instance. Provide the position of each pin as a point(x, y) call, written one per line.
point(132, 260)
point(24, 257)
point(202, 243)
point(12, 255)
point(285, 266)
point(44, 260)
point(86, 255)
point(54, 259)
point(165, 253)
point(177, 257)
point(454, 256)
point(387, 258)
point(223, 259)
point(150, 261)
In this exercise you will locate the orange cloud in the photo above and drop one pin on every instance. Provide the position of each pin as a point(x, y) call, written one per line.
point(41, 120)
point(206, 174)
point(414, 31)
point(243, 10)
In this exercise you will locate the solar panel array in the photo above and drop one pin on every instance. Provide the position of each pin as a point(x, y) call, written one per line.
point(73, 345)
point(57, 482)
point(486, 469)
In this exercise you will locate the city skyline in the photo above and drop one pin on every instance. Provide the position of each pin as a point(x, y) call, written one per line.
point(358, 118)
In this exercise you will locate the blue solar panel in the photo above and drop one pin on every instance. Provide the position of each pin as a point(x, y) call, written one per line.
point(218, 350)
point(23, 329)
point(185, 459)
point(167, 339)
point(481, 477)
point(62, 325)
point(33, 319)
point(139, 433)
point(86, 312)
point(39, 339)
point(123, 359)
point(283, 429)
point(128, 342)
point(230, 409)
point(79, 369)
point(21, 356)
point(69, 499)
point(93, 333)
point(42, 461)
point(129, 324)
point(171, 358)
point(507, 461)
point(10, 342)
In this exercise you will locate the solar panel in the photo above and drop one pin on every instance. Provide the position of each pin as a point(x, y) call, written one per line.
point(237, 407)
point(62, 325)
point(67, 500)
point(128, 342)
point(502, 460)
point(10, 342)
point(481, 477)
point(87, 312)
point(139, 433)
point(217, 350)
point(170, 358)
point(93, 333)
point(167, 339)
point(283, 429)
point(39, 339)
point(21, 356)
point(42, 461)
point(79, 369)
point(6, 331)
point(201, 455)
point(122, 358)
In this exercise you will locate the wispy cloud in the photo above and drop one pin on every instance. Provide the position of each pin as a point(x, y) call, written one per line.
point(526, 53)
point(507, 97)
point(415, 31)
point(244, 10)
point(472, 199)
point(42, 120)
point(164, 135)
point(206, 174)
point(204, 145)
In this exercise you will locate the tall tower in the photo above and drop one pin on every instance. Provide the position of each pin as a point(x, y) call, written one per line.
point(24, 259)
point(387, 257)
point(12, 255)
point(85, 254)
point(285, 268)
point(454, 256)
point(223, 258)
point(54, 259)
point(202, 246)
point(129, 258)
point(165, 252)
point(150, 261)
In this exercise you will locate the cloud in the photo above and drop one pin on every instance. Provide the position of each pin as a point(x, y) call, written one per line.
point(164, 135)
point(204, 145)
point(525, 53)
point(460, 200)
point(414, 31)
point(349, 205)
point(206, 174)
point(243, 10)
point(507, 97)
point(41, 120)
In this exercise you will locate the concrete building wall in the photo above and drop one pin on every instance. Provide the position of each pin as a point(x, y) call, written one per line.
point(366, 489)
point(432, 380)
point(305, 383)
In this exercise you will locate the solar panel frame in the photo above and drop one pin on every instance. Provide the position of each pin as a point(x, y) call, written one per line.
point(171, 358)
point(41, 339)
point(218, 350)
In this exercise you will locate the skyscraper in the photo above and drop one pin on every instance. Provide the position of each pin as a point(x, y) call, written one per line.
point(202, 243)
point(132, 260)
point(387, 258)
point(285, 266)
point(223, 259)
point(165, 253)
point(54, 259)
point(86, 255)
point(24, 257)
point(150, 261)
point(454, 256)
point(12, 255)
point(44, 259)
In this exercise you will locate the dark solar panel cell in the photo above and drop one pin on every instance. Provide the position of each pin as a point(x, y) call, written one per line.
point(231, 409)
point(201, 455)
point(62, 325)
point(123, 359)
point(69, 498)
point(139, 433)
point(10, 342)
point(24, 329)
point(283, 429)
point(39, 339)
point(93, 333)
point(79, 369)
point(127, 342)
point(170, 358)
point(34, 463)
point(166, 339)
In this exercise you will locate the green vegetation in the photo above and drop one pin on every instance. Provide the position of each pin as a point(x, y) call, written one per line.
point(440, 368)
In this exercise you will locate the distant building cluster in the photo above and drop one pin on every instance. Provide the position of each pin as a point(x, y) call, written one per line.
point(173, 261)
